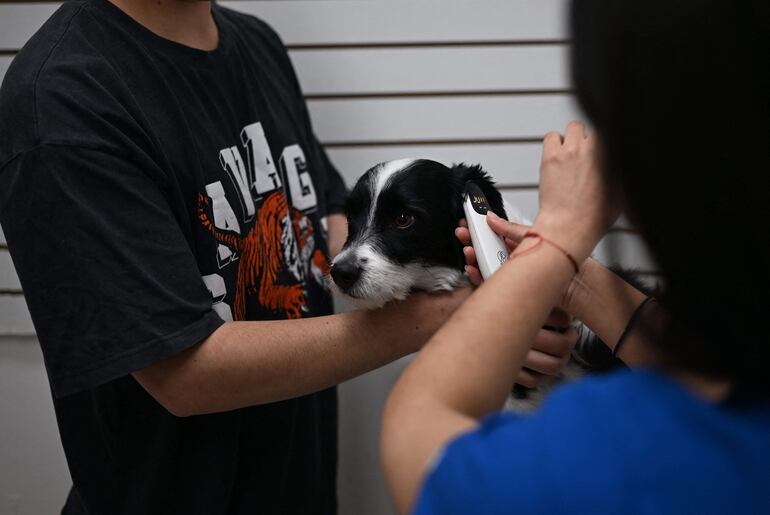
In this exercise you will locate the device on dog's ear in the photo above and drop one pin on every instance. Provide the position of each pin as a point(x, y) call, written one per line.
point(490, 249)
point(475, 174)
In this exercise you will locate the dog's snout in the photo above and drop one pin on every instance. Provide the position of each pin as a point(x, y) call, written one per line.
point(345, 273)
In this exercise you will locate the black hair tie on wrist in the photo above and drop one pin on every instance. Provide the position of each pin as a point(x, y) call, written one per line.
point(630, 325)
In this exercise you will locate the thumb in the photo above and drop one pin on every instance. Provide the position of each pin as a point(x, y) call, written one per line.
point(505, 229)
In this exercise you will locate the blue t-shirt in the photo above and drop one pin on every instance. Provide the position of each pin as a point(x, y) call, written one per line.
point(628, 442)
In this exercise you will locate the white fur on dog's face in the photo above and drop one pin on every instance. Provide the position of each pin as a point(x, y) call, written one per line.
point(382, 277)
point(383, 280)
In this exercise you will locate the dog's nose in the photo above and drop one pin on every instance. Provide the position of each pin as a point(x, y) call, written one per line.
point(345, 273)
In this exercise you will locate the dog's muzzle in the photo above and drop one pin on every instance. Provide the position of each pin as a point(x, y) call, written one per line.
point(346, 272)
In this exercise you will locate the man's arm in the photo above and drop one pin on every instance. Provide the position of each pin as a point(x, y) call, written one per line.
point(247, 363)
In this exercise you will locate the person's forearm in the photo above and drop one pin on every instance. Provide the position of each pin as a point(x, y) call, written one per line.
point(605, 302)
point(447, 387)
point(248, 363)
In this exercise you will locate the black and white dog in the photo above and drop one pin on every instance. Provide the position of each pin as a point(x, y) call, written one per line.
point(401, 220)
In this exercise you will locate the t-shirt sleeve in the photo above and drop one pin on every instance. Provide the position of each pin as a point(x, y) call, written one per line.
point(109, 277)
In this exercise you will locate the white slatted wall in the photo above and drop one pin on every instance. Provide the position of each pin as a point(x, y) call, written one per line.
point(451, 80)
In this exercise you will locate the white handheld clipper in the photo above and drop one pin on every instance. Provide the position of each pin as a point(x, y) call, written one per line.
point(490, 249)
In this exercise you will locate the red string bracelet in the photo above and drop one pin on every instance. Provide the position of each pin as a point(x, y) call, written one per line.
point(533, 247)
point(533, 234)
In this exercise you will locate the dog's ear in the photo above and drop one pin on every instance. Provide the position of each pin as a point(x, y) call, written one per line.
point(464, 173)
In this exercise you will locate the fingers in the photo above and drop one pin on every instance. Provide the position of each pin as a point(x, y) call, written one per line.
point(464, 235)
point(505, 229)
point(471, 269)
point(548, 356)
point(470, 256)
point(529, 378)
point(474, 274)
point(574, 135)
point(558, 319)
point(555, 343)
point(544, 363)
point(551, 142)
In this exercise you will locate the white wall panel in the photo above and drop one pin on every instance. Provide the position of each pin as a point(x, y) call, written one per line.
point(387, 71)
point(509, 164)
point(18, 21)
point(5, 62)
point(8, 278)
point(394, 21)
point(442, 69)
point(426, 119)
point(14, 316)
point(525, 201)
point(33, 472)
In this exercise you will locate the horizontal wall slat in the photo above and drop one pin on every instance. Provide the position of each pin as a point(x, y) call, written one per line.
point(14, 316)
point(18, 21)
point(509, 164)
point(431, 70)
point(352, 22)
point(425, 71)
point(5, 62)
point(431, 119)
point(303, 22)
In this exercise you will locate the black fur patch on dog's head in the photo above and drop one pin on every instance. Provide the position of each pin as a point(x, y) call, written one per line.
point(401, 221)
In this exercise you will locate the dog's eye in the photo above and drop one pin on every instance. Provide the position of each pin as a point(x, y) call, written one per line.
point(403, 220)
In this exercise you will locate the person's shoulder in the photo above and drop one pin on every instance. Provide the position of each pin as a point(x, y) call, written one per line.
point(567, 453)
point(58, 69)
point(250, 26)
point(263, 42)
point(596, 442)
point(40, 50)
point(597, 411)
point(18, 115)
point(54, 82)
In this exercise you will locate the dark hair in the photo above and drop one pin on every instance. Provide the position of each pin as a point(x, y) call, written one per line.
point(679, 94)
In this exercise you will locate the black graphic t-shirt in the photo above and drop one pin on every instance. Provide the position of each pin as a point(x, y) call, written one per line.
point(149, 192)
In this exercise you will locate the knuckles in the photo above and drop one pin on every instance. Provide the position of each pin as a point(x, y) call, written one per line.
point(552, 366)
